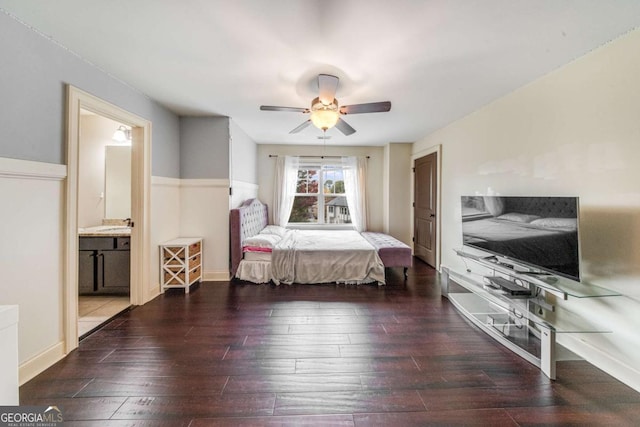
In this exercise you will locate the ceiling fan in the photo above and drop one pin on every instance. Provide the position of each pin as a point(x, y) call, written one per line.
point(325, 111)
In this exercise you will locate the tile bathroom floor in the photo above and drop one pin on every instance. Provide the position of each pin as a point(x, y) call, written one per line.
point(95, 310)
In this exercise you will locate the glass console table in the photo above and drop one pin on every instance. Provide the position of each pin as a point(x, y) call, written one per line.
point(520, 314)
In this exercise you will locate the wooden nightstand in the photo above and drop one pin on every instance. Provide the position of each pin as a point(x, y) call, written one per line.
point(181, 263)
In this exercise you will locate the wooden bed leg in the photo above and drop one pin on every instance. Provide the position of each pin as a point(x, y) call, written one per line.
point(406, 273)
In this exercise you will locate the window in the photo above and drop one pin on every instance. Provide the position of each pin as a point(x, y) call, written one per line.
point(473, 207)
point(320, 197)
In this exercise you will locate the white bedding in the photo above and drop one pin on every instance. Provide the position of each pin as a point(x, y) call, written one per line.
point(315, 256)
point(325, 256)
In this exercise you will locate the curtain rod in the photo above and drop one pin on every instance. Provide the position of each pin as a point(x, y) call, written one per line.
point(318, 157)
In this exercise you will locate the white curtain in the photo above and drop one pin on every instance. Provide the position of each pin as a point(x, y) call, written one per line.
point(355, 172)
point(284, 188)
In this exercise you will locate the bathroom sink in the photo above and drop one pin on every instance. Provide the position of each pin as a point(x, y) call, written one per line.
point(105, 229)
point(112, 227)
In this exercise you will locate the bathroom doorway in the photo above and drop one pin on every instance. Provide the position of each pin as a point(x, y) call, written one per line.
point(140, 182)
point(104, 219)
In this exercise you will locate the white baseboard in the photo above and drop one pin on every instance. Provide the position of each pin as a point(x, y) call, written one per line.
point(152, 293)
point(41, 362)
point(573, 342)
point(215, 276)
point(622, 372)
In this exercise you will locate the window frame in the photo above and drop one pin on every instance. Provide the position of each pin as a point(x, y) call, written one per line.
point(319, 166)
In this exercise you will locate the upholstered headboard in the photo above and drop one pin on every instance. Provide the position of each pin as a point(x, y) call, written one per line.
point(547, 207)
point(245, 221)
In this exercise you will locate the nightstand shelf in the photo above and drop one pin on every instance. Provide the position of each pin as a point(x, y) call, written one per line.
point(181, 263)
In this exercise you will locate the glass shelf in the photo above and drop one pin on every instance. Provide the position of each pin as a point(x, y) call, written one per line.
point(556, 285)
point(526, 324)
point(567, 322)
point(496, 302)
point(569, 287)
point(495, 320)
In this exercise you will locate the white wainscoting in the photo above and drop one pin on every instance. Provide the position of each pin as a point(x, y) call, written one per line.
point(9, 392)
point(195, 208)
point(165, 223)
point(32, 238)
point(204, 212)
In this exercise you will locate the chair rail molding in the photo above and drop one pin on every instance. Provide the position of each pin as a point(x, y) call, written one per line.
point(28, 169)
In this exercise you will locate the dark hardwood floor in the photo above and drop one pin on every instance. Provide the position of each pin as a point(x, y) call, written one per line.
point(234, 354)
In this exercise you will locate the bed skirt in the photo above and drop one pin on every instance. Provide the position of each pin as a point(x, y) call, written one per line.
point(254, 271)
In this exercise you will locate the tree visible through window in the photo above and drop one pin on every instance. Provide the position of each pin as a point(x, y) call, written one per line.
point(320, 196)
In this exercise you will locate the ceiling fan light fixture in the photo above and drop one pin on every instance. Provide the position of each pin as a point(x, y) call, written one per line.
point(325, 112)
point(324, 116)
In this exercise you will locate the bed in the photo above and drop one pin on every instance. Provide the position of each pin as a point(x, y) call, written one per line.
point(262, 253)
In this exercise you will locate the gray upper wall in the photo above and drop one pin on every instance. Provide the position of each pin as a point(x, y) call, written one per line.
point(33, 78)
point(204, 147)
point(244, 155)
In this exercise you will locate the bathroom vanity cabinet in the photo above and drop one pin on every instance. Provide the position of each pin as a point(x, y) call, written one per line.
point(104, 265)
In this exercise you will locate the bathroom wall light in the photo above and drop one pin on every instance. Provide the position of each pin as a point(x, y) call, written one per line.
point(122, 135)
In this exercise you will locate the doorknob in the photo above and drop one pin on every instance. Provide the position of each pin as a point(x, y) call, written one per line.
point(432, 216)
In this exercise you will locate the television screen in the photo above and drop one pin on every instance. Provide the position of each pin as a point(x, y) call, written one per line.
point(540, 232)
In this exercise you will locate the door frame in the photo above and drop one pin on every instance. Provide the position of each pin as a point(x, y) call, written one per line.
point(438, 150)
point(140, 204)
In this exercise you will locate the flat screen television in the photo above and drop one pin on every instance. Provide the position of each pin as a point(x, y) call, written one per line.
point(538, 232)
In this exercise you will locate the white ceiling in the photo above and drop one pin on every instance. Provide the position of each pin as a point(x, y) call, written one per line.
point(436, 61)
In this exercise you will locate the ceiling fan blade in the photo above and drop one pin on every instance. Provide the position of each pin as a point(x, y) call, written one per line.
point(344, 127)
point(302, 126)
point(372, 107)
point(327, 86)
point(288, 109)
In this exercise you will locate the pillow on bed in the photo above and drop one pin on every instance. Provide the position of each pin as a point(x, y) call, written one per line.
point(262, 241)
point(274, 229)
point(569, 223)
point(518, 217)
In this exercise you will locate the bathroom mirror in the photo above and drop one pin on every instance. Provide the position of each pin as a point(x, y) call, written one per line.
point(117, 182)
